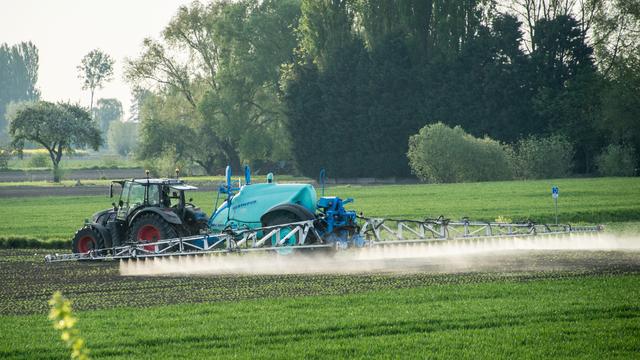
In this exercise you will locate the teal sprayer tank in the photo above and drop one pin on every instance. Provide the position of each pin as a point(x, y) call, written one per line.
point(245, 205)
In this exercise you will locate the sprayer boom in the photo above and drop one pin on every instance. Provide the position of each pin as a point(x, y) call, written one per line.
point(306, 236)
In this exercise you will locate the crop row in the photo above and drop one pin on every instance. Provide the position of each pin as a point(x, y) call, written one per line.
point(28, 282)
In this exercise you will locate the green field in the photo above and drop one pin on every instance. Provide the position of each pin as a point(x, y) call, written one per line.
point(588, 317)
point(577, 304)
point(598, 200)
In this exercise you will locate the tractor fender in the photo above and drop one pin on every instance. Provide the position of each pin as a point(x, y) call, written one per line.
point(168, 216)
point(299, 211)
point(106, 235)
point(101, 217)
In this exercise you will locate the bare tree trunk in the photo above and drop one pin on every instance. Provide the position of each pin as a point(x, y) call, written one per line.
point(56, 172)
point(55, 152)
point(91, 104)
point(234, 160)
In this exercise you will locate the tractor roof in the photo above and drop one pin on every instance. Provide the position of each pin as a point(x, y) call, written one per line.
point(172, 183)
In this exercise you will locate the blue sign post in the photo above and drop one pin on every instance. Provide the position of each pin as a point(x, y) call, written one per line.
point(555, 192)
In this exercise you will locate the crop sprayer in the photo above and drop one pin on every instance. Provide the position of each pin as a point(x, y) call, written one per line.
point(153, 219)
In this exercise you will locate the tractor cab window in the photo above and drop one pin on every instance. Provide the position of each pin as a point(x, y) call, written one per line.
point(154, 195)
point(136, 195)
point(124, 195)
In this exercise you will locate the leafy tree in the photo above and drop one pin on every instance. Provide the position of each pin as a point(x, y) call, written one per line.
point(5, 156)
point(231, 82)
point(412, 21)
point(18, 77)
point(169, 125)
point(323, 92)
point(568, 88)
point(365, 74)
point(107, 111)
point(95, 69)
point(561, 51)
point(486, 88)
point(621, 105)
point(543, 157)
point(615, 34)
point(57, 127)
point(617, 160)
point(531, 12)
point(123, 137)
point(367, 79)
point(138, 96)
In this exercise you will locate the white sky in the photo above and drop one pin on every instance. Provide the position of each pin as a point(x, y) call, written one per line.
point(66, 30)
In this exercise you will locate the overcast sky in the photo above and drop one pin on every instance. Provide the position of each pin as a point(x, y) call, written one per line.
point(65, 30)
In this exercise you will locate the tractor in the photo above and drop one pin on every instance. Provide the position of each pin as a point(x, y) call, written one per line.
point(148, 210)
point(152, 219)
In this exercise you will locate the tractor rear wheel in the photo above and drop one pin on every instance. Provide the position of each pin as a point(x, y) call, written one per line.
point(150, 227)
point(87, 239)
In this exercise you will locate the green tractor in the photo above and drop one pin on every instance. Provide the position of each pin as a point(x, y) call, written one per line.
point(148, 210)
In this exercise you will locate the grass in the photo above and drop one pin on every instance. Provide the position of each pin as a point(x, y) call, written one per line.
point(581, 200)
point(505, 313)
point(579, 318)
point(81, 160)
point(597, 200)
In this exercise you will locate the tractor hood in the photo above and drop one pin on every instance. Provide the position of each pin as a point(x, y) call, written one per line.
point(248, 205)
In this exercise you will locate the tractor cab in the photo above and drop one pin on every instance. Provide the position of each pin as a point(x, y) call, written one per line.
point(167, 194)
point(148, 210)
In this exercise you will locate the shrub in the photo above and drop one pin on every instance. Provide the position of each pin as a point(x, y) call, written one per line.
point(439, 153)
point(39, 161)
point(543, 158)
point(5, 156)
point(617, 160)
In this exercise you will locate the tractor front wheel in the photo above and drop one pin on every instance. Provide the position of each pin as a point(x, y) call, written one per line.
point(149, 228)
point(87, 239)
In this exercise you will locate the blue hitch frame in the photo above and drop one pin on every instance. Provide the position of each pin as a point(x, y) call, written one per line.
point(335, 213)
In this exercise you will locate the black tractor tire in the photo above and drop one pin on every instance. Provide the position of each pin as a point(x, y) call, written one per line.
point(282, 218)
point(198, 227)
point(117, 232)
point(150, 227)
point(87, 239)
point(182, 230)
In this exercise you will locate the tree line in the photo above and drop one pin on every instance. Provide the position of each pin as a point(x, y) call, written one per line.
point(343, 84)
point(18, 78)
point(27, 121)
point(370, 74)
